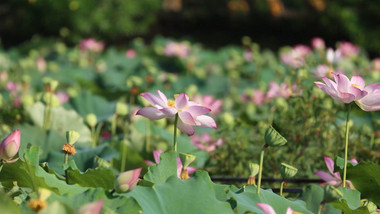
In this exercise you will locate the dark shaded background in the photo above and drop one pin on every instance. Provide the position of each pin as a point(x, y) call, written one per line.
point(215, 23)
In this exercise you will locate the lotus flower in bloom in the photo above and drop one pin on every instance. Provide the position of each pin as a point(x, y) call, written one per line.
point(333, 56)
point(348, 49)
point(205, 142)
point(333, 178)
point(12, 87)
point(126, 181)
point(296, 57)
point(92, 45)
point(283, 90)
point(189, 113)
point(9, 147)
point(269, 210)
point(208, 101)
point(176, 49)
point(321, 71)
point(91, 208)
point(156, 156)
point(318, 43)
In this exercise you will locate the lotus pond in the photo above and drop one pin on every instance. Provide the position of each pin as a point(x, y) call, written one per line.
point(146, 129)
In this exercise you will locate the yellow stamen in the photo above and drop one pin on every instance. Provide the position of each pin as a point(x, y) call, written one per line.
point(294, 212)
point(176, 95)
point(171, 103)
point(356, 85)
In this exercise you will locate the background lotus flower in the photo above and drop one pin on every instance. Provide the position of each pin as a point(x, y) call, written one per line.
point(348, 49)
point(296, 57)
point(321, 71)
point(343, 89)
point(333, 56)
point(92, 45)
point(269, 210)
point(190, 113)
point(276, 90)
point(177, 49)
point(333, 178)
point(126, 181)
point(208, 101)
point(9, 146)
point(318, 43)
point(156, 156)
point(62, 97)
point(130, 53)
point(205, 142)
point(91, 208)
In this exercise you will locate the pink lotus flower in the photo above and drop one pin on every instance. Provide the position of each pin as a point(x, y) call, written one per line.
point(91, 45)
point(257, 97)
point(126, 181)
point(269, 210)
point(189, 113)
point(205, 142)
point(333, 178)
point(9, 147)
point(208, 101)
point(177, 49)
point(12, 87)
point(296, 57)
point(91, 208)
point(63, 97)
point(41, 64)
point(343, 89)
point(318, 43)
point(348, 49)
point(130, 53)
point(321, 71)
point(371, 102)
point(156, 156)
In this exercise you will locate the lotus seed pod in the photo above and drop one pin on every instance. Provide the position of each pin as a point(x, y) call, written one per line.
point(91, 120)
point(121, 108)
point(273, 138)
point(186, 159)
point(254, 169)
point(332, 193)
point(287, 171)
point(126, 181)
point(50, 99)
point(72, 137)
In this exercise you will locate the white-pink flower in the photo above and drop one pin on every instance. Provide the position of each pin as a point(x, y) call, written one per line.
point(269, 210)
point(63, 97)
point(91, 208)
point(348, 49)
point(126, 181)
point(189, 113)
point(9, 147)
point(205, 142)
point(333, 178)
point(177, 49)
point(321, 71)
point(318, 43)
point(90, 44)
point(208, 101)
point(156, 156)
point(296, 57)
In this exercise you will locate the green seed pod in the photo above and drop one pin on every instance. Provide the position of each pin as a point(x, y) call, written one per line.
point(186, 159)
point(273, 138)
point(287, 171)
point(254, 169)
point(91, 120)
point(72, 137)
point(121, 109)
point(372, 208)
point(332, 193)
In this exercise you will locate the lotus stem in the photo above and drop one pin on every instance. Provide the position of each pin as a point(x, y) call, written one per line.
point(66, 174)
point(123, 156)
point(261, 169)
point(282, 187)
point(147, 140)
point(175, 132)
point(346, 145)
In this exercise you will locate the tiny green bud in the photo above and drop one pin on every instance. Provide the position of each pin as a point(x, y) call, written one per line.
point(121, 108)
point(254, 169)
point(332, 193)
point(72, 137)
point(273, 138)
point(91, 120)
point(186, 159)
point(287, 171)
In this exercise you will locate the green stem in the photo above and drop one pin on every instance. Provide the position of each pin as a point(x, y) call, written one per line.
point(282, 187)
point(260, 170)
point(147, 140)
point(123, 156)
point(93, 137)
point(66, 174)
point(320, 208)
point(113, 125)
point(175, 132)
point(346, 145)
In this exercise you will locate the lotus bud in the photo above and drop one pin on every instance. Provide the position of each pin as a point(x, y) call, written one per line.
point(72, 137)
point(91, 120)
point(273, 138)
point(287, 171)
point(9, 147)
point(126, 181)
point(121, 108)
point(332, 193)
point(91, 208)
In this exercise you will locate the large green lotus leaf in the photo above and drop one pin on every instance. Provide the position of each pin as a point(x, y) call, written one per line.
point(62, 120)
point(313, 195)
point(28, 173)
point(159, 173)
point(86, 103)
point(195, 195)
point(115, 203)
point(98, 177)
point(247, 198)
point(366, 179)
point(7, 205)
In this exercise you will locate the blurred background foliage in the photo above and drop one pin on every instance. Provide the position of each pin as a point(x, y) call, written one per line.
point(271, 23)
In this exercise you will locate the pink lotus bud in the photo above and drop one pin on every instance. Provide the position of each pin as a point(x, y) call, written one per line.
point(9, 146)
point(91, 208)
point(126, 181)
point(130, 53)
point(318, 43)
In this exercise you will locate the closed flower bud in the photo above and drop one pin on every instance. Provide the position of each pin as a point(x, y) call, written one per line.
point(332, 193)
point(9, 146)
point(126, 181)
point(186, 159)
point(253, 169)
point(72, 137)
point(273, 138)
point(91, 120)
point(91, 208)
point(287, 171)
point(121, 108)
